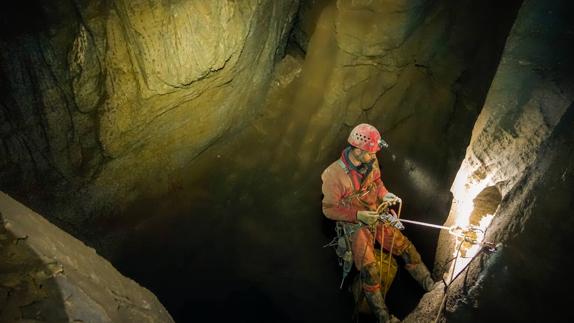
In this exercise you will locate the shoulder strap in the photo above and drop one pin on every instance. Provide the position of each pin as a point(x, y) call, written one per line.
point(343, 166)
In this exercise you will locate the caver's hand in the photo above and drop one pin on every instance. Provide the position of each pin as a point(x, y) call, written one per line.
point(391, 198)
point(367, 217)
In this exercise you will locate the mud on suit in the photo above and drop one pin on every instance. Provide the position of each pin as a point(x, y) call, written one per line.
point(346, 191)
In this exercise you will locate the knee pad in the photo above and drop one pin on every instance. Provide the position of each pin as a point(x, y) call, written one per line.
point(369, 275)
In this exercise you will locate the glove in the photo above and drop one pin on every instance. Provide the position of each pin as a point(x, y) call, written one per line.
point(390, 197)
point(367, 217)
point(392, 220)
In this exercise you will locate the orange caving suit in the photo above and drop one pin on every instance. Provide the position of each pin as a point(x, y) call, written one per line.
point(346, 191)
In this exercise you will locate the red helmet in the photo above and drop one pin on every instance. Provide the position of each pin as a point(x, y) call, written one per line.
point(366, 137)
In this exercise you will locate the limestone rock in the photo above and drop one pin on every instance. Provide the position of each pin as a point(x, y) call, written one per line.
point(373, 28)
point(100, 95)
point(119, 111)
point(521, 146)
point(531, 91)
point(47, 275)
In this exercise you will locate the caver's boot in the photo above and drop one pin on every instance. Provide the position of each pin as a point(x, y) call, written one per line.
point(417, 268)
point(422, 275)
point(372, 288)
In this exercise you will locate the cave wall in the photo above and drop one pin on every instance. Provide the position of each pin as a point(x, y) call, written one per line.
point(176, 146)
point(531, 91)
point(522, 145)
point(108, 98)
point(46, 275)
point(112, 101)
point(533, 226)
point(247, 215)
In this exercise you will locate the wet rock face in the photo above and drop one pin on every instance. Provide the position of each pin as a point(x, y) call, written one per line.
point(177, 52)
point(375, 28)
point(47, 275)
point(96, 88)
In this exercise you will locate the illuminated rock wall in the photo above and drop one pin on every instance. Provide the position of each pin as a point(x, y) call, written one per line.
point(531, 91)
point(110, 97)
point(521, 144)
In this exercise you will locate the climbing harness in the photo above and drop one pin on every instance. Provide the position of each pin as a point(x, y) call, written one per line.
point(345, 230)
point(342, 244)
point(387, 215)
point(342, 241)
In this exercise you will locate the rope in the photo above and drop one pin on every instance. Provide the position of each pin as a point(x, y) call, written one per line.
point(453, 278)
point(361, 291)
point(443, 301)
point(392, 245)
point(381, 261)
point(455, 231)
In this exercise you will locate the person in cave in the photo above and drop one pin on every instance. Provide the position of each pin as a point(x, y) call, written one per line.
point(352, 191)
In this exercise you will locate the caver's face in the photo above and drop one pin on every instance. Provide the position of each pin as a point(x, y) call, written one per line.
point(363, 156)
